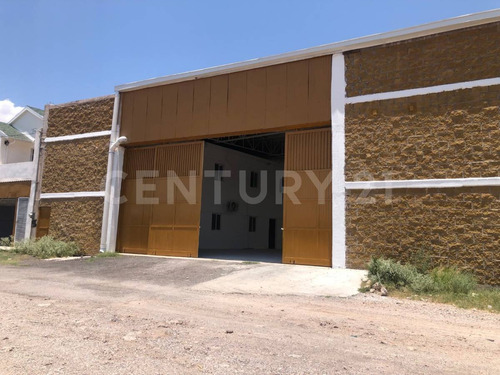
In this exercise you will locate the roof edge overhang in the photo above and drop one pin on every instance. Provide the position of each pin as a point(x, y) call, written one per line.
point(22, 112)
point(450, 24)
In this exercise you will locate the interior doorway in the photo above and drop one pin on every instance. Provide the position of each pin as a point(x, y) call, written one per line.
point(241, 206)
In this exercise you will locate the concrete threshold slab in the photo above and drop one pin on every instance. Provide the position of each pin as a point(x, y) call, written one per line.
point(285, 279)
point(277, 279)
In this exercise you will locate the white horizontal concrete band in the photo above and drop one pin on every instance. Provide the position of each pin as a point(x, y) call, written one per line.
point(422, 184)
point(423, 91)
point(69, 195)
point(78, 136)
point(24, 171)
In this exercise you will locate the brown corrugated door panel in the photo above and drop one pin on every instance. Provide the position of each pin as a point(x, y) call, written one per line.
point(169, 224)
point(43, 222)
point(307, 229)
point(133, 227)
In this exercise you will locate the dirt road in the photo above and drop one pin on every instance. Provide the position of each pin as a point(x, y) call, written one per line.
point(130, 315)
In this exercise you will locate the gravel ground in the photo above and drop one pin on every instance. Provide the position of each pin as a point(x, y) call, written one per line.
point(139, 315)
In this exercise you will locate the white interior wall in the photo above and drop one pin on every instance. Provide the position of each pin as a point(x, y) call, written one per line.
point(234, 233)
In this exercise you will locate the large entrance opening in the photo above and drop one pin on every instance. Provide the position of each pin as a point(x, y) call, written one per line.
point(262, 197)
point(241, 206)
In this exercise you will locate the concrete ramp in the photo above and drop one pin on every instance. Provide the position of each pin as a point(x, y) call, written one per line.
point(281, 279)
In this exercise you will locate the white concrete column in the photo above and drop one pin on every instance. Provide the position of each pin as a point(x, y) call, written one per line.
point(338, 98)
point(115, 133)
point(114, 199)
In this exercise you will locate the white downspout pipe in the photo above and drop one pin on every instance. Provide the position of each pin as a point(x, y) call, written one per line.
point(112, 140)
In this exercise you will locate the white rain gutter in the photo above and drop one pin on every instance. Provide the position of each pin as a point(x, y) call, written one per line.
point(114, 141)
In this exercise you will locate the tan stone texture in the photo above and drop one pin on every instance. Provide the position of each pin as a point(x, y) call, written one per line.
point(78, 165)
point(455, 227)
point(454, 134)
point(455, 56)
point(77, 220)
point(80, 117)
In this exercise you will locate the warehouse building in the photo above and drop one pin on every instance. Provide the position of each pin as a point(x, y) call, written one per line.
point(382, 145)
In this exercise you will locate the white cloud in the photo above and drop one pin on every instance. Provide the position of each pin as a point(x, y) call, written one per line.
point(8, 110)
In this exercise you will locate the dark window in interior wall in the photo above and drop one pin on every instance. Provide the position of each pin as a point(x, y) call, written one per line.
point(254, 179)
point(218, 171)
point(252, 224)
point(215, 221)
point(32, 154)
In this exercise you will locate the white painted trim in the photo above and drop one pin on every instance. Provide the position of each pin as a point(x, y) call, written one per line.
point(32, 139)
point(24, 110)
point(422, 184)
point(423, 90)
point(327, 49)
point(338, 93)
point(76, 194)
point(34, 113)
point(77, 136)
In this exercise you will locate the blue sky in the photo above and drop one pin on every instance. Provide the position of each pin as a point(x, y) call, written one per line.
point(58, 51)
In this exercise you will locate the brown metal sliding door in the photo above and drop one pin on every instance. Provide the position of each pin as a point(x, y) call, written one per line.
point(159, 219)
point(307, 222)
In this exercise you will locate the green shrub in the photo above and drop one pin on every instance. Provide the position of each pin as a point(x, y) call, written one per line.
point(446, 280)
point(421, 260)
point(453, 281)
point(387, 271)
point(47, 247)
point(6, 241)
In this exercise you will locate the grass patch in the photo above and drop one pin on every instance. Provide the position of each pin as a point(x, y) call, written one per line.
point(47, 247)
point(103, 255)
point(107, 255)
point(442, 284)
point(9, 258)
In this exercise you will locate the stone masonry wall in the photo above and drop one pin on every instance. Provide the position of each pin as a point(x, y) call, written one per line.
point(452, 134)
point(455, 56)
point(81, 117)
point(74, 166)
point(77, 220)
point(455, 227)
point(78, 165)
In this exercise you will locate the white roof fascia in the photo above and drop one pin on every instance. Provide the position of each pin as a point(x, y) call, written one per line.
point(18, 115)
point(326, 49)
point(24, 110)
point(35, 113)
point(27, 135)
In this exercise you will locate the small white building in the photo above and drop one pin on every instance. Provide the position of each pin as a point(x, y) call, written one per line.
point(17, 170)
point(18, 136)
